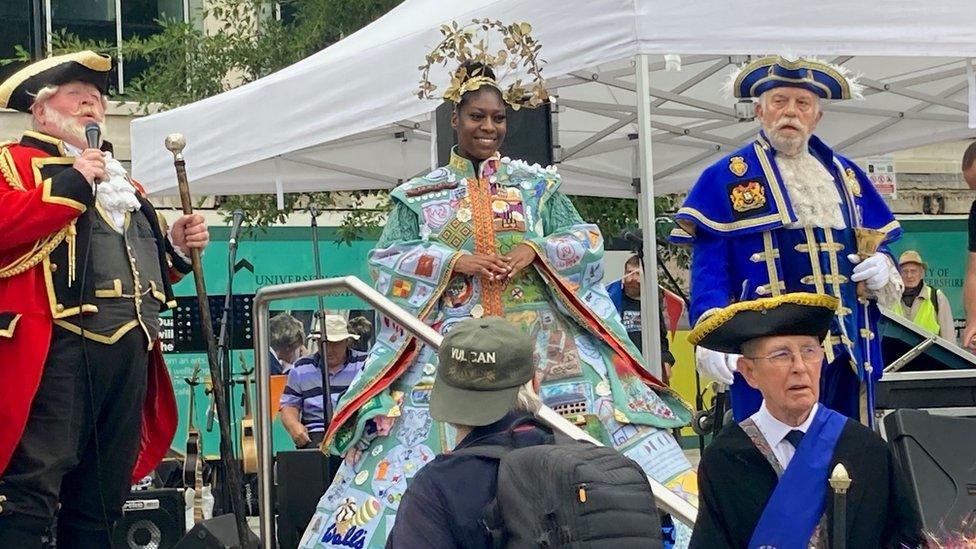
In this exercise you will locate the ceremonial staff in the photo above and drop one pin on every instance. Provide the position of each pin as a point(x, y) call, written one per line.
point(840, 481)
point(175, 143)
point(868, 241)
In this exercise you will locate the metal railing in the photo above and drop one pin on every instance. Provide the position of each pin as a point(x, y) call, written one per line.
point(666, 500)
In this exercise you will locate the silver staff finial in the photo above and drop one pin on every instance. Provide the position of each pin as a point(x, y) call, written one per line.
point(840, 480)
point(175, 142)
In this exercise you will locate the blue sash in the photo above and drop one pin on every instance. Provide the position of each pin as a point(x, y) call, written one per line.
point(798, 502)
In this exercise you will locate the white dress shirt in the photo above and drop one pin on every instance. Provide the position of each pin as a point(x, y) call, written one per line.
point(775, 431)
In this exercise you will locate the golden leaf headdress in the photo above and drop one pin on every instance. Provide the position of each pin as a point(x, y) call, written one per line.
point(464, 45)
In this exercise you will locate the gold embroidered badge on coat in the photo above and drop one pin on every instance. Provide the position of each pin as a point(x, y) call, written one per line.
point(738, 166)
point(852, 182)
point(748, 196)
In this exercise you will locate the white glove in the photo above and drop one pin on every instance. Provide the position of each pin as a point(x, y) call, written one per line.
point(873, 270)
point(716, 365)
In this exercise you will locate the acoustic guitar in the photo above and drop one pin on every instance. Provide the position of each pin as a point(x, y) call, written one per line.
point(249, 450)
point(193, 466)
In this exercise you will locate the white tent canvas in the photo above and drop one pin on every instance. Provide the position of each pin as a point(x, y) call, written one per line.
point(348, 117)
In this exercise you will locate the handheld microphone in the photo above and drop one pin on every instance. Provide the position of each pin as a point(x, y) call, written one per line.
point(235, 229)
point(93, 133)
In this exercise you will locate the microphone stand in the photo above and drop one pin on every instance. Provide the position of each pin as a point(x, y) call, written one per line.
point(699, 401)
point(323, 340)
point(223, 354)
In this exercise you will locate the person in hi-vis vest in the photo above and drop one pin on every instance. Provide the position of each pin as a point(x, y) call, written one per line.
point(922, 304)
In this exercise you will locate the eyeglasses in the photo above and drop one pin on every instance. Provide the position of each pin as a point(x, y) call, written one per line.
point(784, 359)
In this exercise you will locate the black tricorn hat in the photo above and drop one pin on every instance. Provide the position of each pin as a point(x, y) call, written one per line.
point(798, 313)
point(18, 91)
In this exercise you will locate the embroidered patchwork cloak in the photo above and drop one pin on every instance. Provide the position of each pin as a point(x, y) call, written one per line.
point(588, 369)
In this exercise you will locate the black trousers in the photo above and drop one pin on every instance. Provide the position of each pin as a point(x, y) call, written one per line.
point(79, 446)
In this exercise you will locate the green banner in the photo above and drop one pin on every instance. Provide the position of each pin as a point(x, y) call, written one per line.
point(943, 244)
point(274, 256)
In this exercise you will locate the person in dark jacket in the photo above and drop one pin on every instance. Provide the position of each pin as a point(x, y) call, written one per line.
point(481, 389)
point(763, 481)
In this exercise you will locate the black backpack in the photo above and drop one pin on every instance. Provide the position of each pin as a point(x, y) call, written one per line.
point(568, 494)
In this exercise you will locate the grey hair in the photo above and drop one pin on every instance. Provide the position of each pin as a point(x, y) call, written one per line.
point(285, 332)
point(527, 400)
point(42, 96)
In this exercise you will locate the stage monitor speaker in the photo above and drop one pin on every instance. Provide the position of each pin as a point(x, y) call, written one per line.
point(216, 533)
point(529, 135)
point(939, 455)
point(300, 481)
point(151, 519)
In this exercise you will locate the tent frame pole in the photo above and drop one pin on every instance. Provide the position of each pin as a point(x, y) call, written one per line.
point(650, 315)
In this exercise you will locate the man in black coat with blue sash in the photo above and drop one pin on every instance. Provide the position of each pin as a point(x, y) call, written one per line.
point(764, 481)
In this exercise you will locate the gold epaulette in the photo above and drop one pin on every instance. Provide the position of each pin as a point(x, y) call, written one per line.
point(7, 167)
point(43, 247)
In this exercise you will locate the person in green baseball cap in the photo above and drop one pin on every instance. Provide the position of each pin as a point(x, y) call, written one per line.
point(484, 362)
point(483, 391)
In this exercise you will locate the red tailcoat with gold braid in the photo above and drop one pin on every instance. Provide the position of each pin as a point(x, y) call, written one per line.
point(41, 196)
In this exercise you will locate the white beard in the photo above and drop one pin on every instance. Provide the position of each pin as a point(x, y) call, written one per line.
point(70, 127)
point(812, 191)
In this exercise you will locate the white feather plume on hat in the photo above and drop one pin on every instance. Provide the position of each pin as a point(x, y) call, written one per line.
point(856, 89)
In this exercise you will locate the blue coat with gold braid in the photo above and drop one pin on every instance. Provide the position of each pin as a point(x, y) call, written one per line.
point(747, 244)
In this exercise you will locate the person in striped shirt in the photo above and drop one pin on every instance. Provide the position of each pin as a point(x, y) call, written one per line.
point(302, 413)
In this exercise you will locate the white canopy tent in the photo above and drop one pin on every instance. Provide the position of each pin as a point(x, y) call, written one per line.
point(348, 117)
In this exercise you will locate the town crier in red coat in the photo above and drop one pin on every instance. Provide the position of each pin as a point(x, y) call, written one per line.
point(86, 403)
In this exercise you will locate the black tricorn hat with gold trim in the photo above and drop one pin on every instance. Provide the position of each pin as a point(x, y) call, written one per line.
point(18, 91)
point(799, 313)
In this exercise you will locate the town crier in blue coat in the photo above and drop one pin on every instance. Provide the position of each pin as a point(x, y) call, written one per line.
point(787, 214)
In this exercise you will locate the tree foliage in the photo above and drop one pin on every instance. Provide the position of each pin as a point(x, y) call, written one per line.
point(616, 215)
point(242, 41)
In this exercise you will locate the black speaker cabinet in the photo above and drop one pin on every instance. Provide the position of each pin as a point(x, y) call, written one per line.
point(300, 480)
point(939, 455)
point(529, 135)
point(216, 533)
point(151, 519)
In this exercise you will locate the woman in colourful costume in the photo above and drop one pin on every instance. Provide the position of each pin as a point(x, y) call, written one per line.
point(486, 235)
